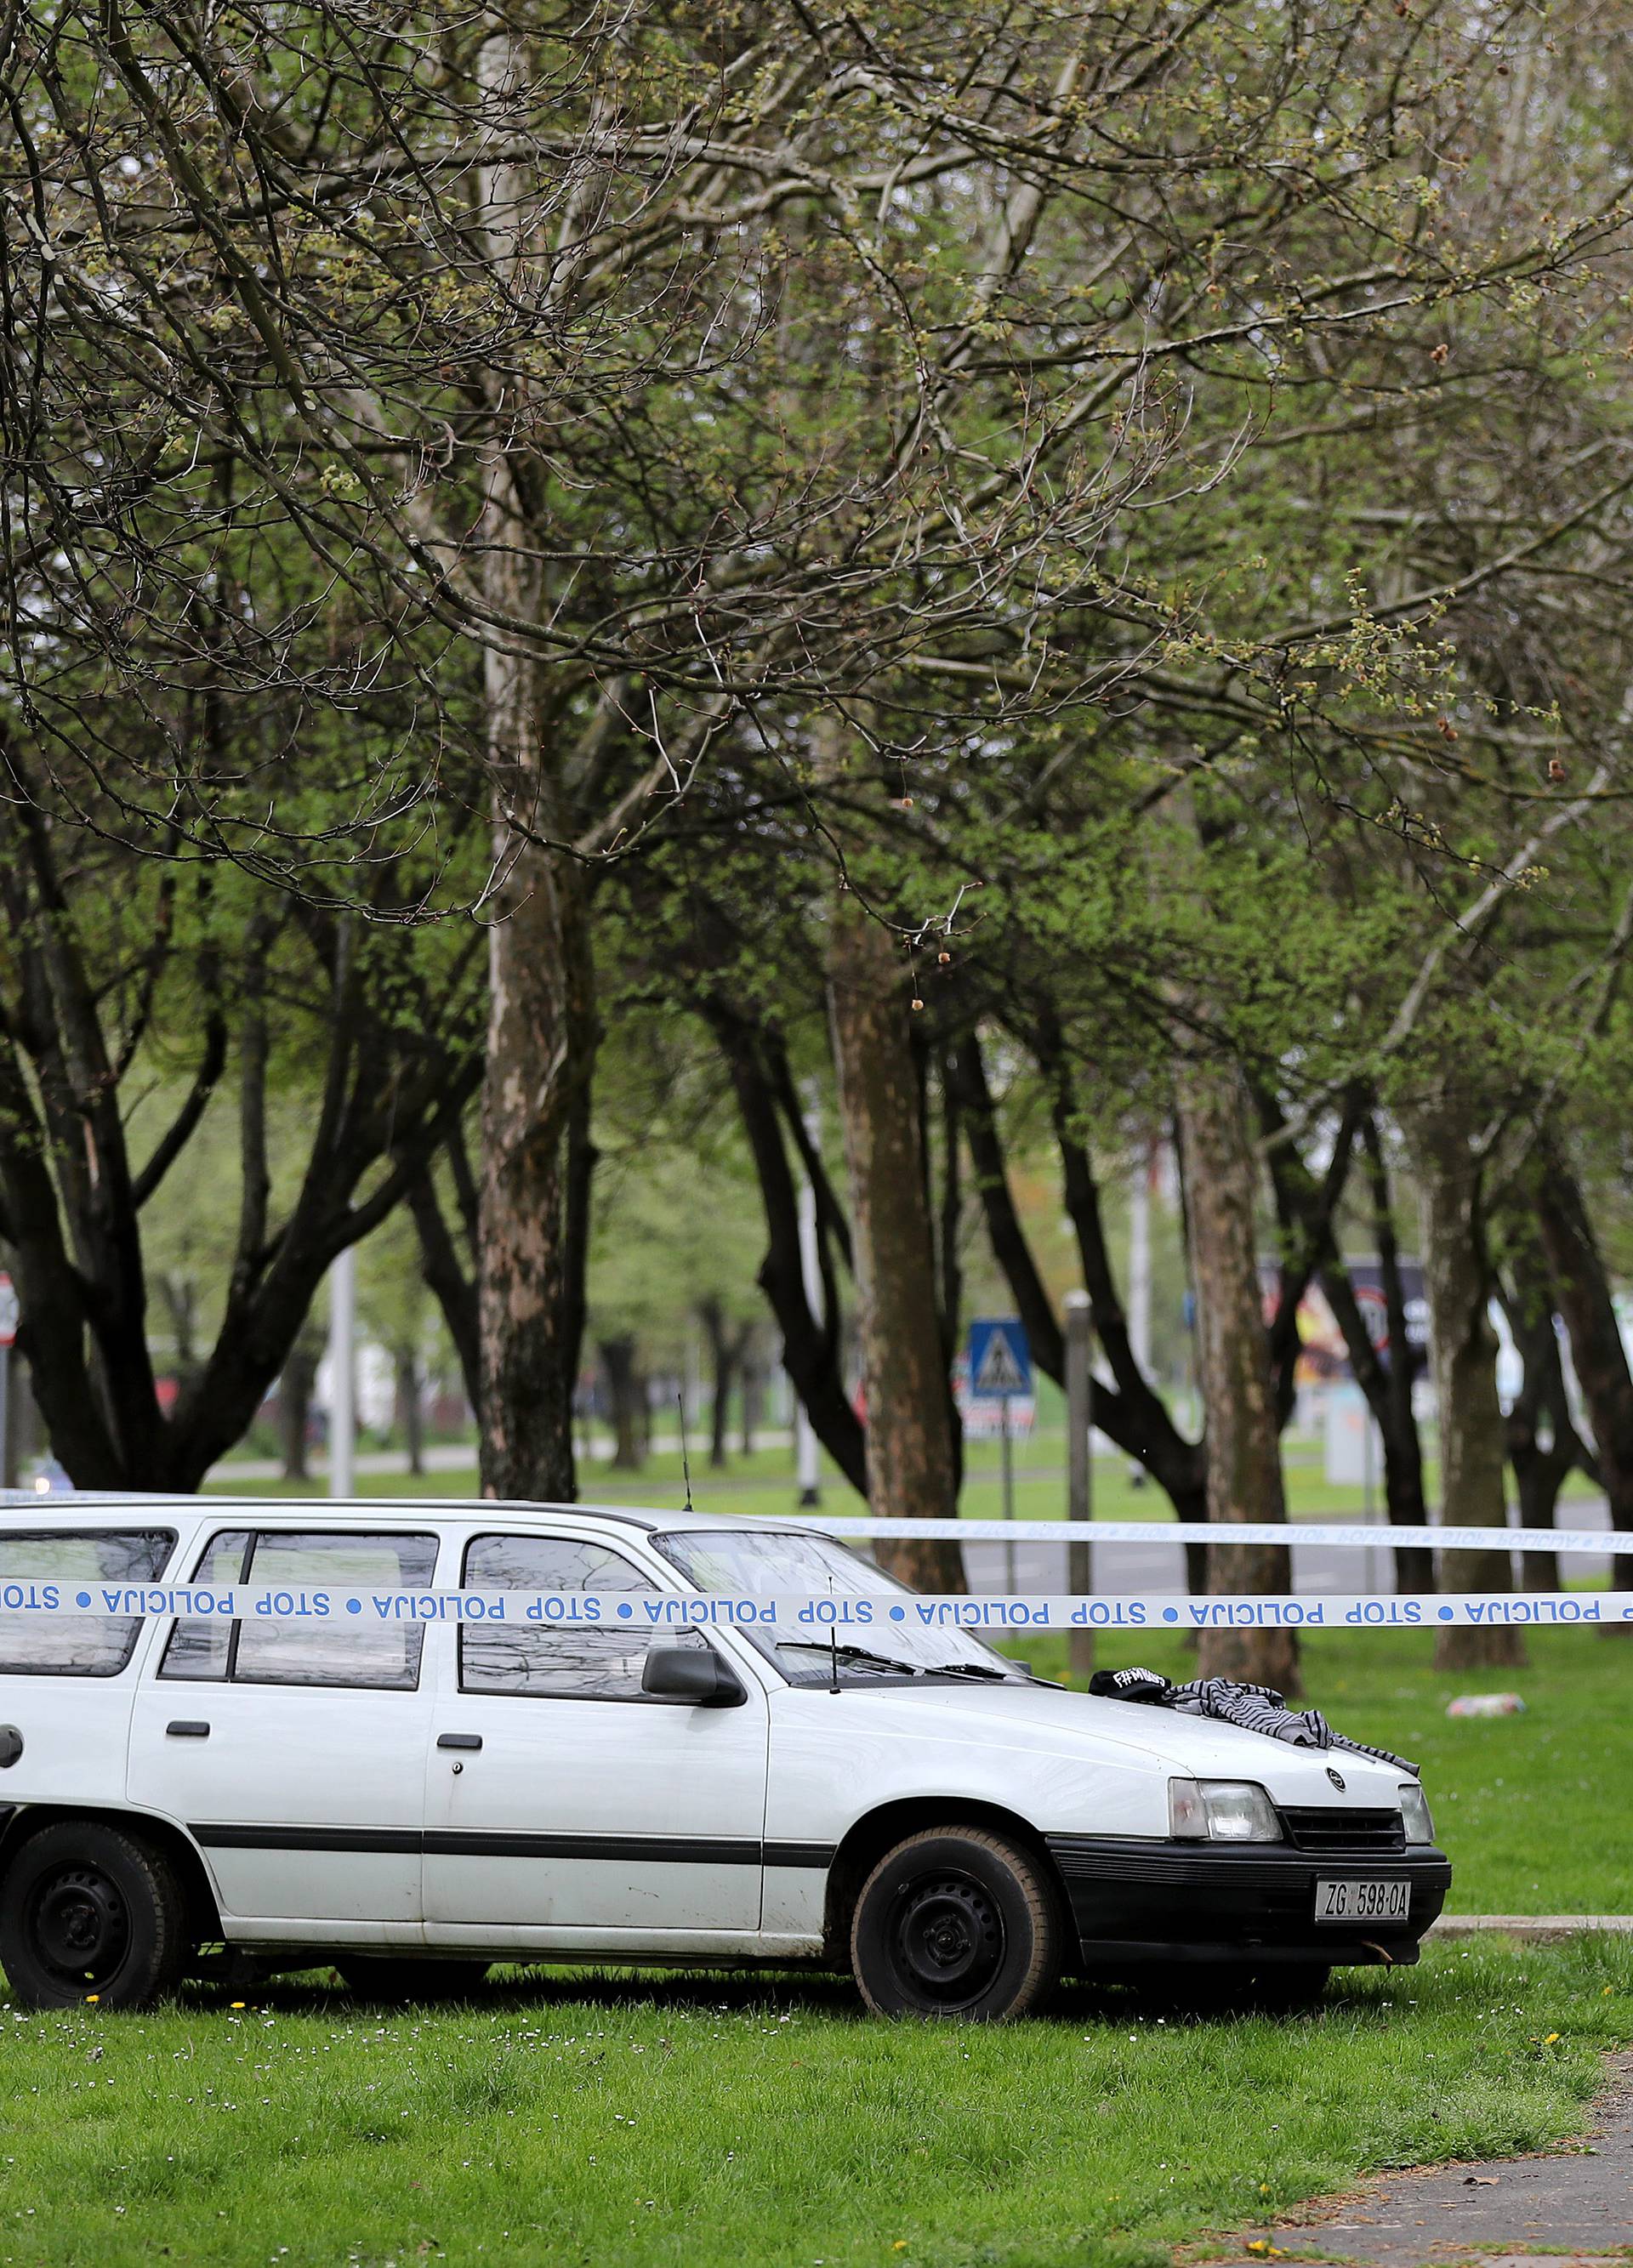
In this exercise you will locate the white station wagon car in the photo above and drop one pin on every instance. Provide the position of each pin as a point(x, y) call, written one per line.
point(412, 1802)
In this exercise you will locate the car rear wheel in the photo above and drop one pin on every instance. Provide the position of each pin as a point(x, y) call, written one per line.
point(956, 1922)
point(90, 1914)
point(391, 1979)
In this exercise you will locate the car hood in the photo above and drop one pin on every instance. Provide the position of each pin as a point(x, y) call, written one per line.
point(1049, 1720)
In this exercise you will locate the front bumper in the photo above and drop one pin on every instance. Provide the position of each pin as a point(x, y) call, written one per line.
point(1137, 1902)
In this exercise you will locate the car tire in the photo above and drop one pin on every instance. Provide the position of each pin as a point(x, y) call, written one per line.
point(391, 1979)
point(91, 1914)
point(956, 1922)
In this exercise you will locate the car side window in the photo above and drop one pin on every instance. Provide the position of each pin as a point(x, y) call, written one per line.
point(68, 1645)
point(305, 1651)
point(201, 1649)
point(556, 1663)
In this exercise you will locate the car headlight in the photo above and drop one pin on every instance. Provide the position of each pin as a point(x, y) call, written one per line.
point(1221, 1811)
point(1415, 1813)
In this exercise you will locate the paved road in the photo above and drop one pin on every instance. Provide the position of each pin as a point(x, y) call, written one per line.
point(1573, 2203)
point(1159, 1565)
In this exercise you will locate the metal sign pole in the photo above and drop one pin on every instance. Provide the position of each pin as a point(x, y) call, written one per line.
point(11, 1315)
point(1009, 1493)
point(343, 1322)
point(1000, 1370)
point(808, 1463)
point(1079, 1471)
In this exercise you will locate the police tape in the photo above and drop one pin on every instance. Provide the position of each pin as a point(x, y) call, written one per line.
point(1337, 1535)
point(357, 1606)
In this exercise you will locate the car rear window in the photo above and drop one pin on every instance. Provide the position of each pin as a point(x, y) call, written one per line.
point(91, 1645)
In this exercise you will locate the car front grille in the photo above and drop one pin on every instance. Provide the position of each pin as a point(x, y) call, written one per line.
point(1345, 1832)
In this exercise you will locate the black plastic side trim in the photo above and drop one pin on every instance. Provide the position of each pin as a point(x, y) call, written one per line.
point(800, 1854)
point(214, 1838)
point(478, 1843)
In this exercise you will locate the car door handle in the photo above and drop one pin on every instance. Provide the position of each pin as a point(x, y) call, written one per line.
point(188, 1728)
point(459, 1740)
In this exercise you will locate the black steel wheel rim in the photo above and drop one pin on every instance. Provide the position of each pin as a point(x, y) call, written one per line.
point(947, 1940)
point(79, 1926)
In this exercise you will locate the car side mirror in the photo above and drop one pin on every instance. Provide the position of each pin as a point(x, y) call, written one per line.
point(691, 1673)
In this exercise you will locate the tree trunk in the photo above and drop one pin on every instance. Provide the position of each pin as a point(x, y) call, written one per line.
point(623, 1402)
point(1243, 1437)
point(410, 1429)
point(1463, 1349)
point(724, 1354)
point(1597, 1353)
point(949, 1256)
point(1386, 1385)
point(445, 1276)
point(21, 1425)
point(811, 1342)
point(912, 1469)
point(753, 1398)
point(724, 1368)
point(1544, 1446)
point(294, 1406)
point(541, 1045)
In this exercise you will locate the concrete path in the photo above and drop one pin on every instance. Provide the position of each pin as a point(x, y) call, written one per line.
point(1577, 2201)
point(1532, 1929)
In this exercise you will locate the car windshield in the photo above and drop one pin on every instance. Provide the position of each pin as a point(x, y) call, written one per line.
point(864, 1643)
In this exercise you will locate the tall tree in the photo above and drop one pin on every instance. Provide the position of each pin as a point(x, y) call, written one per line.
point(913, 1439)
point(1581, 1284)
point(110, 965)
point(1443, 1136)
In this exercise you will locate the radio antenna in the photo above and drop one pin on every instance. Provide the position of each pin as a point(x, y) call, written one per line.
point(680, 1403)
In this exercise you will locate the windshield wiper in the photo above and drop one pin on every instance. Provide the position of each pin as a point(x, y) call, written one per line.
point(847, 1654)
point(969, 1670)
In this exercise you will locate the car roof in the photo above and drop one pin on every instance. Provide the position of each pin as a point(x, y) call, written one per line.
point(97, 1508)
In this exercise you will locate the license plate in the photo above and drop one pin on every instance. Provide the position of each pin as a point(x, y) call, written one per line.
point(1369, 1900)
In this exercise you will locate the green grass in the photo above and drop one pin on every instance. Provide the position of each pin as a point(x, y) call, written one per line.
point(688, 2122)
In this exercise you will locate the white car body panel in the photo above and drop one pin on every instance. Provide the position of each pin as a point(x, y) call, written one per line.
point(291, 1758)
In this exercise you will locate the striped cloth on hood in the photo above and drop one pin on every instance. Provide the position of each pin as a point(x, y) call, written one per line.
point(1256, 1708)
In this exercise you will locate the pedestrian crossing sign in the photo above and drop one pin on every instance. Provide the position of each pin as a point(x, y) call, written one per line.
point(1000, 1360)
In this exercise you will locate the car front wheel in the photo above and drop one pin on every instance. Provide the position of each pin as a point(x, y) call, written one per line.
point(89, 1914)
point(956, 1922)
